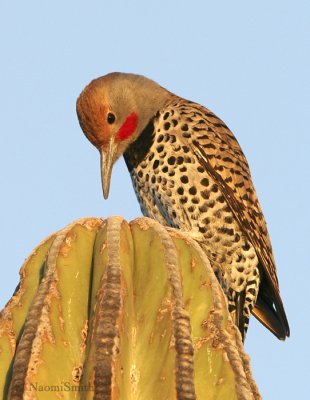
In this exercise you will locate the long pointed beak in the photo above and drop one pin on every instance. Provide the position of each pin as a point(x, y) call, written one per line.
point(106, 160)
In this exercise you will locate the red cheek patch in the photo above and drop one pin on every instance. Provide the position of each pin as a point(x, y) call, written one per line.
point(128, 127)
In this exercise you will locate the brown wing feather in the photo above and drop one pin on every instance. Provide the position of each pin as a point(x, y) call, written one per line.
point(220, 154)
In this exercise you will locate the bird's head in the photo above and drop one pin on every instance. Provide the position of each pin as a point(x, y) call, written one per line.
point(113, 110)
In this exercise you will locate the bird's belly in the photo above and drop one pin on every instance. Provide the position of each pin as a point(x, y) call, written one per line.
point(191, 201)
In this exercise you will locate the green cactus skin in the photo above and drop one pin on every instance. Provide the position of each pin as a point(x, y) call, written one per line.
point(111, 310)
point(12, 318)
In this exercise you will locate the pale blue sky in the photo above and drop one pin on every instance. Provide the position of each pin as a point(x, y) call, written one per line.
point(246, 61)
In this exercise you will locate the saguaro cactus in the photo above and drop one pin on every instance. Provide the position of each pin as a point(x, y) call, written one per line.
point(111, 310)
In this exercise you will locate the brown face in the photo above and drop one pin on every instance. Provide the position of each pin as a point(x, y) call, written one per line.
point(109, 131)
point(95, 118)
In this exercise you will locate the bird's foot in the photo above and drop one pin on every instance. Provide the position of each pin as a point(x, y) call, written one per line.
point(197, 236)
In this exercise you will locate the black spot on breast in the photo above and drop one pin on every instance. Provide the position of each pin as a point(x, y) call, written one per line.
point(205, 194)
point(172, 139)
point(221, 199)
point(200, 169)
point(160, 148)
point(185, 149)
point(140, 174)
point(180, 160)
point(184, 179)
point(167, 126)
point(160, 138)
point(191, 209)
point(246, 247)
point(171, 160)
point(228, 220)
point(165, 169)
point(151, 156)
point(180, 190)
point(203, 208)
point(166, 115)
point(183, 169)
point(240, 281)
point(184, 127)
point(226, 231)
point(153, 179)
point(214, 188)
point(183, 200)
point(155, 164)
point(174, 122)
point(195, 200)
point(166, 138)
point(237, 238)
point(186, 135)
point(205, 182)
point(210, 203)
point(192, 190)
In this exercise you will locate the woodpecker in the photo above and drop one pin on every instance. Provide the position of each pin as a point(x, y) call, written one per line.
point(189, 173)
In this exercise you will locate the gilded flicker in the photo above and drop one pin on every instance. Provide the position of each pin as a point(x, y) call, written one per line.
point(189, 172)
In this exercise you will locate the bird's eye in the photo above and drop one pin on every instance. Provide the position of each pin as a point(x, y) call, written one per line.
point(111, 118)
